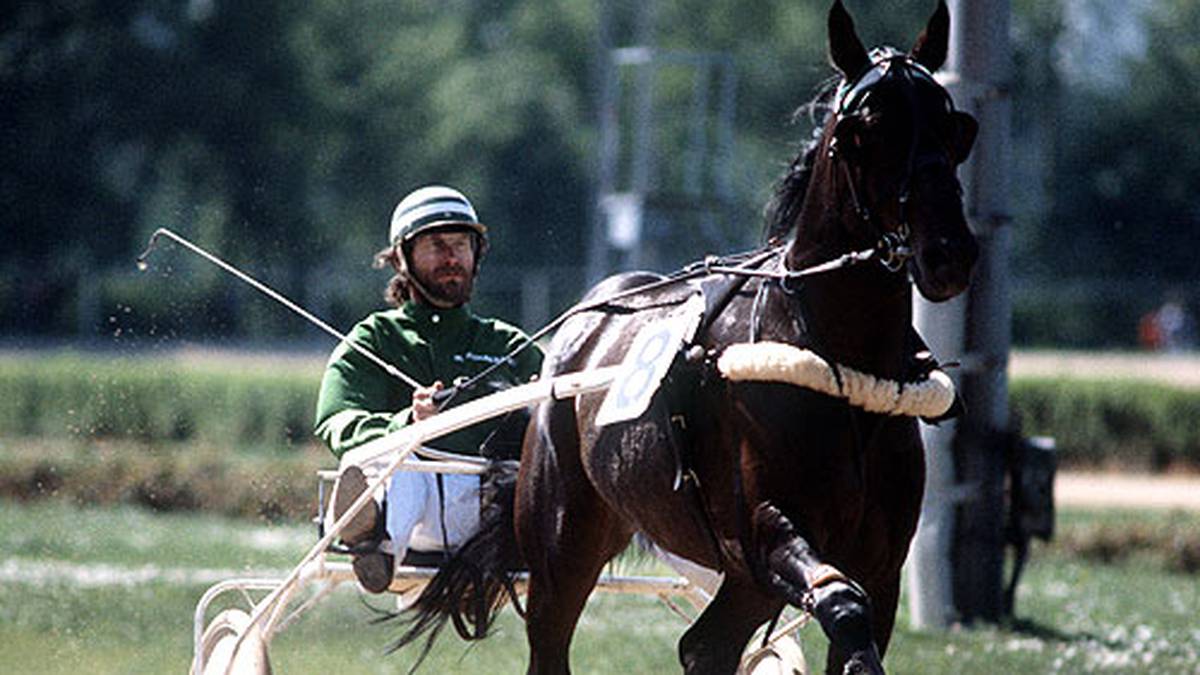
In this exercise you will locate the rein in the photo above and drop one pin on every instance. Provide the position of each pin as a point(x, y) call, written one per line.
point(708, 266)
point(886, 249)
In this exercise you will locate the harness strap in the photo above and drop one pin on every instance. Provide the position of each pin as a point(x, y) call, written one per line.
point(441, 489)
point(746, 264)
point(719, 291)
point(823, 575)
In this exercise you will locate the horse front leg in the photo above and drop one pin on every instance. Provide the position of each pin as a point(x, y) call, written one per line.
point(885, 597)
point(841, 606)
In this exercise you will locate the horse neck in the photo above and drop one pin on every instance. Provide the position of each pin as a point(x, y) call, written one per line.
point(858, 319)
point(824, 222)
point(859, 316)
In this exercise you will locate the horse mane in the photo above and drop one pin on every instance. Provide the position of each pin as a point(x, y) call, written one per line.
point(783, 209)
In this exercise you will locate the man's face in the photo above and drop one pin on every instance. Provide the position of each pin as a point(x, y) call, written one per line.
point(443, 262)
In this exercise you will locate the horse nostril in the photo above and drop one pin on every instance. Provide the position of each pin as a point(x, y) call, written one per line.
point(944, 252)
point(937, 256)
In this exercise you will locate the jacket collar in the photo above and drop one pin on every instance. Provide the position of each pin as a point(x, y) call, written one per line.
point(436, 317)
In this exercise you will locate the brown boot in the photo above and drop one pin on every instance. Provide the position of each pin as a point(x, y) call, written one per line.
point(362, 526)
point(374, 571)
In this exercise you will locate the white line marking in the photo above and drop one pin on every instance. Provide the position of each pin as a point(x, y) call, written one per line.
point(37, 572)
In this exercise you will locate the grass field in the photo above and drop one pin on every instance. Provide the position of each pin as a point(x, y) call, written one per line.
point(113, 590)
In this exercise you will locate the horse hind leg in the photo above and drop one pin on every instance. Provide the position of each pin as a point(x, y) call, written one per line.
point(566, 534)
point(841, 606)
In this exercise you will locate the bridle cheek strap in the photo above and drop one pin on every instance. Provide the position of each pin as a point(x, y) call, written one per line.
point(892, 246)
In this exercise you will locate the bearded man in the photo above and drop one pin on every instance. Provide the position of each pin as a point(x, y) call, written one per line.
point(436, 243)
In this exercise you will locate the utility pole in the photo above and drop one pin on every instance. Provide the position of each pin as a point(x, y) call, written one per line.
point(958, 555)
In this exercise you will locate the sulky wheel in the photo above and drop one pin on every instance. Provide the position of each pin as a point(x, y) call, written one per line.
point(219, 641)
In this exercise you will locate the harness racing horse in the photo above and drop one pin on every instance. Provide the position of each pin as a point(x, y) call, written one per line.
point(797, 496)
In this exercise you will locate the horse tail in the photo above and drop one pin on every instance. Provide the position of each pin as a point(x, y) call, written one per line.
point(473, 583)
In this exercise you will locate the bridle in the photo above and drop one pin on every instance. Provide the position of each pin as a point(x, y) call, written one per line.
point(887, 64)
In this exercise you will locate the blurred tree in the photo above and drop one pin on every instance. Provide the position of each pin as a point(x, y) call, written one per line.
point(1104, 234)
point(125, 116)
point(1131, 208)
point(1037, 100)
point(282, 134)
point(63, 206)
point(487, 96)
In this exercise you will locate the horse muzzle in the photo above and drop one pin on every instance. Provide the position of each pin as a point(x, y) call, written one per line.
point(941, 268)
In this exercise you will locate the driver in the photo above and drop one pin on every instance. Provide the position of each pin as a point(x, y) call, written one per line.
point(436, 243)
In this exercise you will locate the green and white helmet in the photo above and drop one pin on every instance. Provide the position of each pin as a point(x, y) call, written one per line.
point(430, 208)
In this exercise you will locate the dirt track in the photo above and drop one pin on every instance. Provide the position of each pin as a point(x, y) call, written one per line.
point(1181, 370)
point(1127, 491)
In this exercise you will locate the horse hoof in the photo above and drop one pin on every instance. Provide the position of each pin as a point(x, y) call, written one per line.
point(864, 664)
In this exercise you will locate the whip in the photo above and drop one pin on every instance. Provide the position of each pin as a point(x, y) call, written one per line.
point(276, 296)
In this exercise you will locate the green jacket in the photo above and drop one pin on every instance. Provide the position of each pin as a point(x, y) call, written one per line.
point(360, 402)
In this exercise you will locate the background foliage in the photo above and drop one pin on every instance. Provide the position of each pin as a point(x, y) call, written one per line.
point(281, 135)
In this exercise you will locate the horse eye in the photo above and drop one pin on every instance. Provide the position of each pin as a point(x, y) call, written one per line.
point(872, 123)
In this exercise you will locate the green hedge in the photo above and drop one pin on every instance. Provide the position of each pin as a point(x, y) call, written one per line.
point(1120, 423)
point(270, 405)
point(176, 477)
point(156, 400)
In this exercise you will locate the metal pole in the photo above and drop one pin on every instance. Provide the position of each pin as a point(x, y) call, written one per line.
point(964, 507)
point(605, 78)
point(931, 599)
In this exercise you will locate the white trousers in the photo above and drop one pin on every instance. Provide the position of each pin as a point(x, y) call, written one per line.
point(414, 519)
point(415, 514)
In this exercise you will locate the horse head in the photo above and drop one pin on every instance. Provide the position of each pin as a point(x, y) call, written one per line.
point(888, 155)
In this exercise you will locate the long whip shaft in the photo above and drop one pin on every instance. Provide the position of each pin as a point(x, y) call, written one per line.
point(276, 296)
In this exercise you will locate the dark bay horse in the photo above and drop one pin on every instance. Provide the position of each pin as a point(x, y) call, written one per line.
point(797, 497)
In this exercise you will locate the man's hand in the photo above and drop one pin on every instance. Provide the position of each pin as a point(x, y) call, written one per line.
point(422, 401)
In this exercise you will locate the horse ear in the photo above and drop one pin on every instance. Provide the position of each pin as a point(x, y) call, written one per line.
point(846, 51)
point(933, 42)
point(965, 130)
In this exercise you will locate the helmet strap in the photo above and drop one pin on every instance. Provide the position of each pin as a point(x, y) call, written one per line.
point(414, 284)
